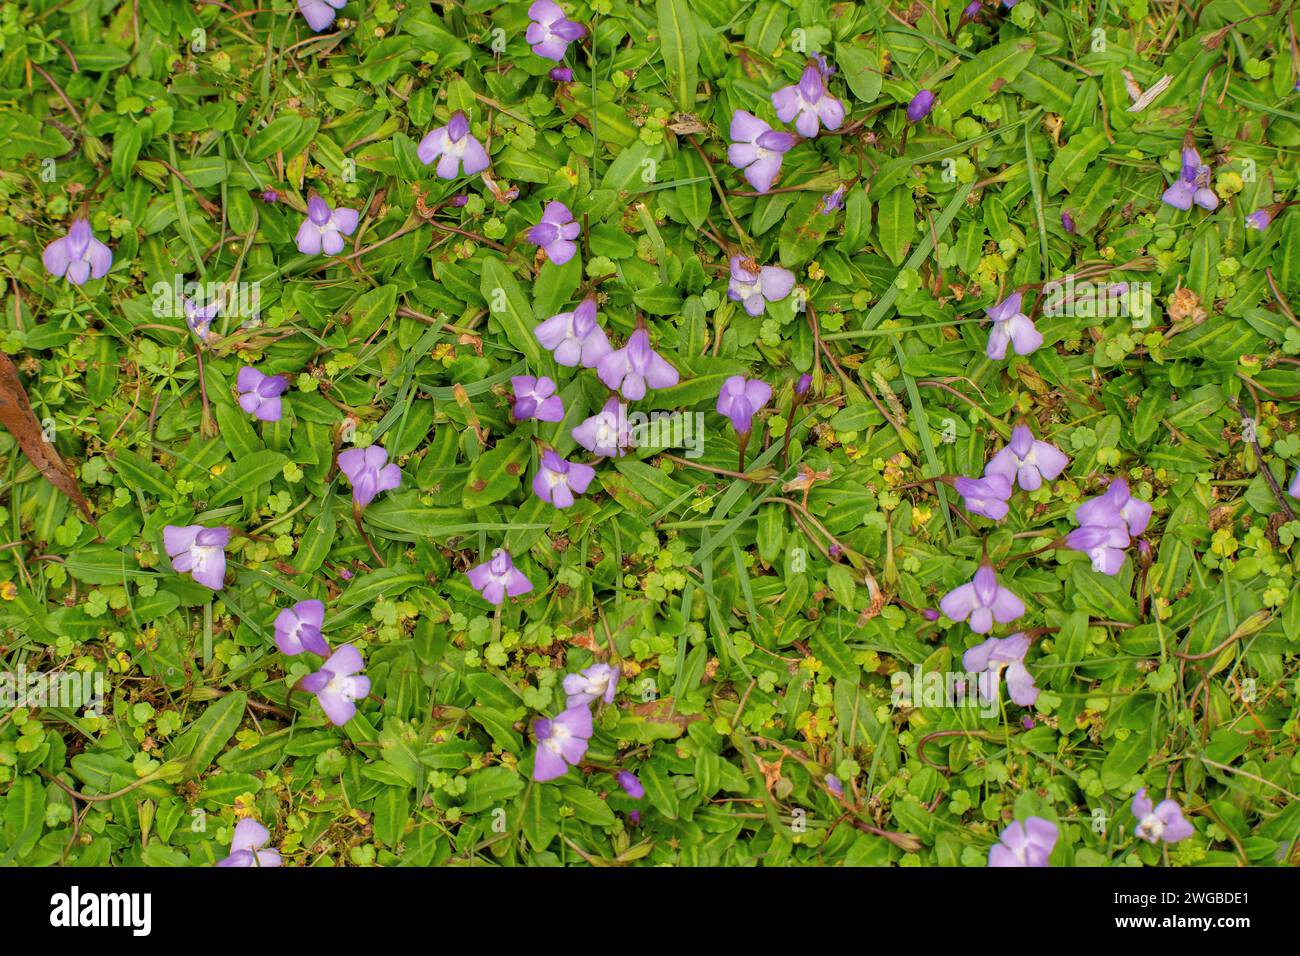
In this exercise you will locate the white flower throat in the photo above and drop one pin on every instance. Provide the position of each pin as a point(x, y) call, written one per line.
point(559, 734)
point(1151, 828)
point(203, 555)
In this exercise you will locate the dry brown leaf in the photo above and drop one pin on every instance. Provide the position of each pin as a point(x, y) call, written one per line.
point(16, 415)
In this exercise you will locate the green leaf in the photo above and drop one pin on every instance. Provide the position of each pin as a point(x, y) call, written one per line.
point(387, 582)
point(499, 725)
point(588, 807)
point(211, 732)
point(315, 543)
point(840, 579)
point(1071, 163)
point(392, 808)
point(492, 787)
point(897, 222)
point(660, 791)
point(509, 307)
point(540, 822)
point(249, 474)
point(681, 50)
point(1126, 758)
point(275, 137)
point(830, 648)
point(101, 57)
point(141, 475)
point(1100, 595)
point(861, 71)
point(24, 814)
point(101, 564)
point(1045, 83)
point(1071, 646)
point(239, 435)
point(497, 473)
point(371, 310)
point(974, 81)
point(693, 186)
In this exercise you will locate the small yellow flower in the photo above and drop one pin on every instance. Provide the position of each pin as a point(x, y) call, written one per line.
point(8, 590)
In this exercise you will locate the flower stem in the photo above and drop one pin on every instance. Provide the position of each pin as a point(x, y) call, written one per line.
point(722, 195)
point(361, 530)
point(1050, 546)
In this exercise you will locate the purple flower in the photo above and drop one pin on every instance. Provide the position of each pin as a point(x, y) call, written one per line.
point(1162, 822)
point(319, 14)
point(1104, 545)
point(971, 12)
point(561, 74)
point(78, 256)
point(561, 741)
point(1025, 844)
point(198, 550)
point(1011, 326)
point(297, 629)
point(630, 784)
point(455, 148)
point(605, 433)
point(636, 367)
point(458, 201)
point(555, 233)
point(801, 387)
point(549, 33)
point(982, 600)
point(597, 682)
point(833, 785)
point(1067, 221)
point(755, 287)
point(810, 101)
point(246, 847)
point(199, 318)
point(1192, 186)
point(995, 655)
point(832, 201)
point(1027, 461)
point(985, 496)
point(339, 684)
point(557, 480)
point(259, 394)
point(1204, 195)
point(757, 149)
point(1259, 219)
point(270, 196)
point(1179, 195)
point(324, 228)
point(739, 398)
point(1116, 506)
point(920, 106)
point(1294, 490)
point(575, 337)
point(369, 472)
point(536, 398)
point(497, 578)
